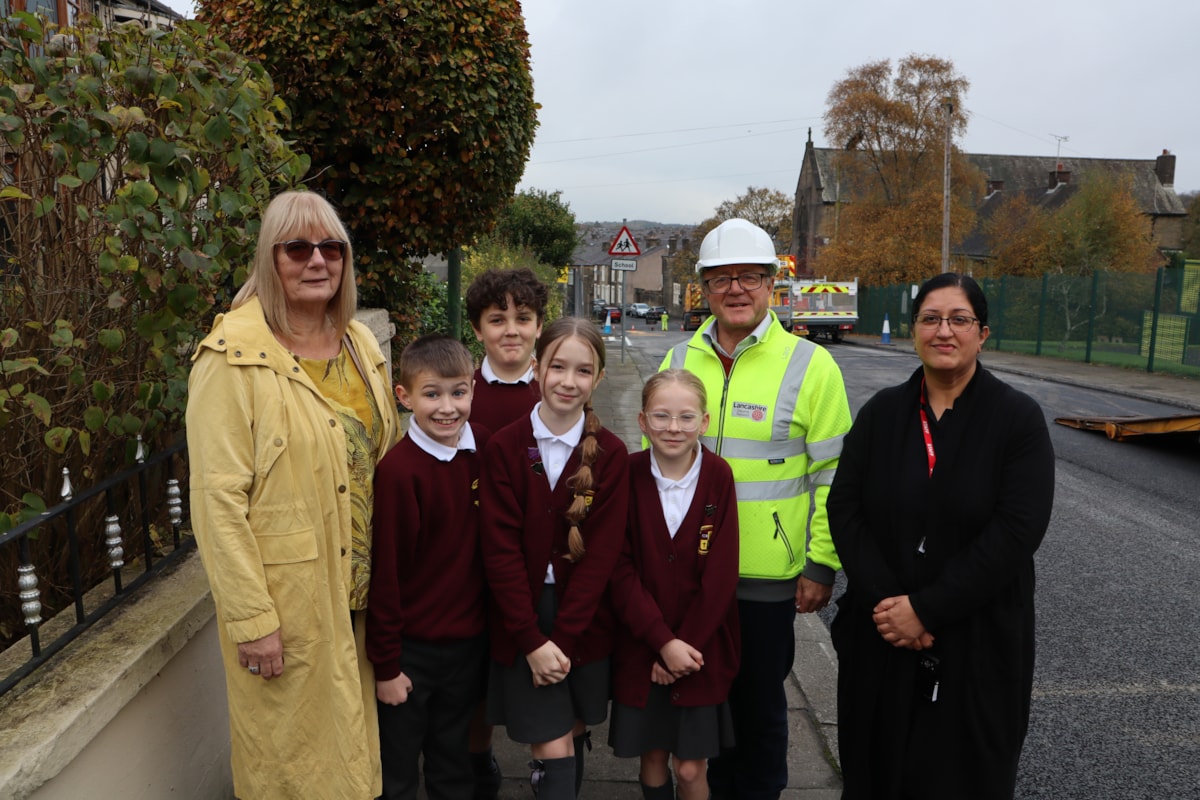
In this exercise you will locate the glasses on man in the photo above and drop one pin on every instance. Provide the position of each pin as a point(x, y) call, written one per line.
point(749, 282)
point(957, 322)
point(661, 421)
point(301, 250)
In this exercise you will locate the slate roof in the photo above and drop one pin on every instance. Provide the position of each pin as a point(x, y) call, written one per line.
point(1023, 175)
point(1030, 174)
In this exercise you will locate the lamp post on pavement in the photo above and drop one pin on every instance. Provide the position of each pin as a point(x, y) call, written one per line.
point(948, 105)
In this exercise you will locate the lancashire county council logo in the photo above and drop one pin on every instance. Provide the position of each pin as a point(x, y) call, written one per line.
point(751, 411)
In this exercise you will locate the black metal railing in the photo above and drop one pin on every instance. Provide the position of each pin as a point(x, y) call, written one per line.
point(128, 498)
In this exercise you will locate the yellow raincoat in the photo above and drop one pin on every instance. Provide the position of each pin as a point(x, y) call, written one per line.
point(271, 512)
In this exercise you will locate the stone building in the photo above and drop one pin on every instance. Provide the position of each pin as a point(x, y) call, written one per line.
point(821, 191)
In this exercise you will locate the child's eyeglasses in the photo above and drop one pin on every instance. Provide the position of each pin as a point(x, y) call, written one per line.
point(661, 421)
point(300, 250)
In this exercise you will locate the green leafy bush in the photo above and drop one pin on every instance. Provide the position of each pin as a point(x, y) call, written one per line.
point(136, 164)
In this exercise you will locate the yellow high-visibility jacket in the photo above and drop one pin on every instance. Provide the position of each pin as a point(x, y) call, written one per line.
point(271, 512)
point(778, 418)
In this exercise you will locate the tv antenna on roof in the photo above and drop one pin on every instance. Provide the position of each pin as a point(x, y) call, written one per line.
point(1058, 150)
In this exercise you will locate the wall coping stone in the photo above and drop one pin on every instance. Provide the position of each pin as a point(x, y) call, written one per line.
point(48, 719)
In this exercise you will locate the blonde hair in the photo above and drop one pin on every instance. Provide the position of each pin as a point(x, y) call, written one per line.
point(681, 376)
point(289, 215)
point(583, 482)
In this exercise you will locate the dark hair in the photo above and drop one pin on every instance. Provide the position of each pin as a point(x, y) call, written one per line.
point(492, 288)
point(582, 483)
point(972, 290)
point(442, 355)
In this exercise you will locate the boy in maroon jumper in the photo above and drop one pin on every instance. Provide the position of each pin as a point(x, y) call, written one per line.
point(425, 612)
point(506, 309)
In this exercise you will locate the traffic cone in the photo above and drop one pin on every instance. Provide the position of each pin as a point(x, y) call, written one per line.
point(887, 331)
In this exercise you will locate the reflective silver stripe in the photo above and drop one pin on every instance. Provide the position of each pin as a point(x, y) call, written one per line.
point(823, 477)
point(755, 449)
point(771, 491)
point(677, 355)
point(829, 448)
point(789, 388)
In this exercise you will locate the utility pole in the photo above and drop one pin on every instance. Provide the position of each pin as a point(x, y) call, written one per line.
point(948, 106)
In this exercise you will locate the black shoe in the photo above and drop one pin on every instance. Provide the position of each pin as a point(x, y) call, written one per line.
point(488, 779)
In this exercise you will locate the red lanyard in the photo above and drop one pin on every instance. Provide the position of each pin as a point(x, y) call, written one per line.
point(929, 453)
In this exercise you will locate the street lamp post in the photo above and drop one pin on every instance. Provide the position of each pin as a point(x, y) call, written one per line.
point(948, 105)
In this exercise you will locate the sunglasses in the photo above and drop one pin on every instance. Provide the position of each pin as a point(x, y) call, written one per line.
point(300, 250)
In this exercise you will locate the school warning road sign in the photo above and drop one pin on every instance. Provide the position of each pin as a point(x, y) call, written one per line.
point(624, 245)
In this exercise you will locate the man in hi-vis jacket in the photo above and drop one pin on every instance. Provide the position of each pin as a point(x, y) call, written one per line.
point(779, 412)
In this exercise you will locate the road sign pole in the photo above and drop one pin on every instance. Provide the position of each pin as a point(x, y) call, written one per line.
point(624, 310)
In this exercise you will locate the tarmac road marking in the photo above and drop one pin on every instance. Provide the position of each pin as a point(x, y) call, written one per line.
point(1129, 690)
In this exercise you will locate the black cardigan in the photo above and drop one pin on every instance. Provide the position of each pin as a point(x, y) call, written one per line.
point(980, 517)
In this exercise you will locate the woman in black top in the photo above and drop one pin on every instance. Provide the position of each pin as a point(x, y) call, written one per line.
point(941, 498)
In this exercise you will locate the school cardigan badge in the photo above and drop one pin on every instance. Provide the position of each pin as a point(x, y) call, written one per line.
point(536, 457)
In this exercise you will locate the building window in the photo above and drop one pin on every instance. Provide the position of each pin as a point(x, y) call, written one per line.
point(61, 11)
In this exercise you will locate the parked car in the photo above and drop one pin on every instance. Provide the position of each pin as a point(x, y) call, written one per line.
point(597, 305)
point(606, 310)
point(654, 313)
point(639, 310)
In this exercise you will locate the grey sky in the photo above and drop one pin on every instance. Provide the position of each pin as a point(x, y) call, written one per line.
point(662, 109)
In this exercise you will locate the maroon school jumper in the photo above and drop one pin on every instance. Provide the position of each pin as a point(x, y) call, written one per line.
point(681, 588)
point(495, 405)
point(426, 566)
point(523, 527)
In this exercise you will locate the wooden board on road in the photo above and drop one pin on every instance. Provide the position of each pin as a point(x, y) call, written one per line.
point(1121, 428)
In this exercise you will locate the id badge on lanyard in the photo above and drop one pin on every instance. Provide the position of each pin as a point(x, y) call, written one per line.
point(929, 452)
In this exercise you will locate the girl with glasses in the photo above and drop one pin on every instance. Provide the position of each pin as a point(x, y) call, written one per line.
point(673, 590)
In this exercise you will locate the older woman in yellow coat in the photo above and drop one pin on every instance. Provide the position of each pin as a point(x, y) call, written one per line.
point(289, 410)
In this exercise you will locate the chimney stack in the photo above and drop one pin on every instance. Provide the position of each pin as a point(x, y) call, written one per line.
point(1164, 168)
point(1058, 177)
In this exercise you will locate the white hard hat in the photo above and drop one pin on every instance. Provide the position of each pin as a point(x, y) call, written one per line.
point(736, 241)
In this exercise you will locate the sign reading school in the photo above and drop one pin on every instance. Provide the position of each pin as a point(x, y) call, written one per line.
point(624, 245)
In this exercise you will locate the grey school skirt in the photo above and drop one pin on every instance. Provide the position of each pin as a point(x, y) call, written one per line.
point(536, 714)
point(687, 732)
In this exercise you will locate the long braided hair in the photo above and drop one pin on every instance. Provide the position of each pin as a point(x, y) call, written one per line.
point(583, 482)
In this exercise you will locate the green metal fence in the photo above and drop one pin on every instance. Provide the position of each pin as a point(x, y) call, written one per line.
point(1149, 322)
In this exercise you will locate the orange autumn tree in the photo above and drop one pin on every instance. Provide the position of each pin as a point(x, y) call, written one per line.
point(892, 125)
point(1019, 236)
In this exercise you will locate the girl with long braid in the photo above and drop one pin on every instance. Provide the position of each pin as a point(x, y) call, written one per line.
point(553, 499)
